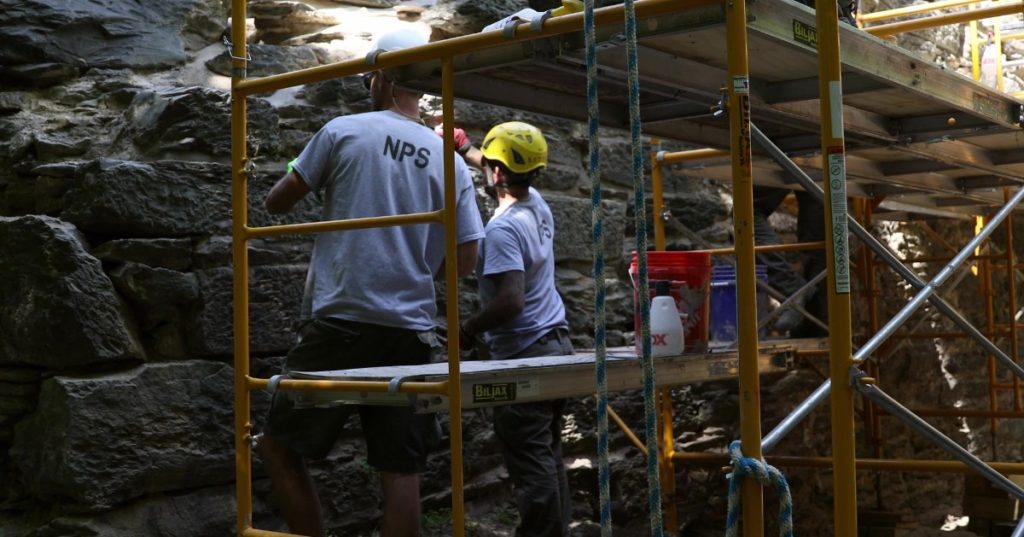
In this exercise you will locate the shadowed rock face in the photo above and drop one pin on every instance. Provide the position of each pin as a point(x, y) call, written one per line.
point(164, 199)
point(61, 39)
point(167, 122)
point(114, 437)
point(58, 309)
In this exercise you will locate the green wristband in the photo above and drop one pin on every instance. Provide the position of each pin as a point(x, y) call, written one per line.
point(291, 164)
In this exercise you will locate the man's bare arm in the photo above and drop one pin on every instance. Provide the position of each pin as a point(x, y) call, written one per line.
point(466, 261)
point(288, 191)
point(508, 302)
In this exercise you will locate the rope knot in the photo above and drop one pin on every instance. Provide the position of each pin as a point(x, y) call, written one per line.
point(765, 474)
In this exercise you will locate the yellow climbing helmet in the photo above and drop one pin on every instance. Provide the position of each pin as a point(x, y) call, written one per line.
point(519, 146)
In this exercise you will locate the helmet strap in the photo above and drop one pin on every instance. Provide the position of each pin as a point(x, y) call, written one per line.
point(395, 105)
point(507, 180)
point(397, 108)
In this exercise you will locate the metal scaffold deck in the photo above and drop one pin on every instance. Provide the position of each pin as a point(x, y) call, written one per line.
point(928, 139)
point(771, 93)
point(497, 382)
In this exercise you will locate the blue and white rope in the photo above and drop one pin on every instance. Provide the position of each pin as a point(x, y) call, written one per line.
point(640, 215)
point(597, 236)
point(765, 474)
point(597, 219)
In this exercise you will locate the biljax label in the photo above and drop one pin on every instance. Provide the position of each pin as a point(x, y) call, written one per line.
point(495, 392)
point(805, 33)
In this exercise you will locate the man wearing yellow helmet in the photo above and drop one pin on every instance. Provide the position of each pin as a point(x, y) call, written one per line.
point(523, 316)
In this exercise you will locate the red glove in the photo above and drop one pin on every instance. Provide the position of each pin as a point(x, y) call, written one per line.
point(462, 143)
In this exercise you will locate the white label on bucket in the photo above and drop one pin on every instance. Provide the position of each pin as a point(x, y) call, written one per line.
point(840, 234)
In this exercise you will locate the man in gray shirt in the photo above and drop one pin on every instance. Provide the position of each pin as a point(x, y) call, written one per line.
point(371, 292)
point(521, 316)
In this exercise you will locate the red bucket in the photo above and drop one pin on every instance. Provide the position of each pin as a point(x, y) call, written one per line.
point(690, 274)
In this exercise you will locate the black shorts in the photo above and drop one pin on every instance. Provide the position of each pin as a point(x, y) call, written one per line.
point(396, 438)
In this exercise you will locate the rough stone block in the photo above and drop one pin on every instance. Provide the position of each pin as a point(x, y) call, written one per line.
point(268, 60)
point(573, 231)
point(208, 511)
point(275, 296)
point(166, 199)
point(58, 309)
point(180, 122)
point(113, 437)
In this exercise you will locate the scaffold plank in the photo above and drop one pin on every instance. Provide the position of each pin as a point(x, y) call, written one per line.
point(495, 382)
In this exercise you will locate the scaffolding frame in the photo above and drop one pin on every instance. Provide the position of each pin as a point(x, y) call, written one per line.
point(450, 55)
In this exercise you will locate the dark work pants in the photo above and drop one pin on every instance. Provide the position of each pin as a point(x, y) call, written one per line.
point(810, 227)
point(530, 435)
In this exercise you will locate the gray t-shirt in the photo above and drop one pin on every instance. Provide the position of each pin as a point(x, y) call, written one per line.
point(381, 164)
point(520, 238)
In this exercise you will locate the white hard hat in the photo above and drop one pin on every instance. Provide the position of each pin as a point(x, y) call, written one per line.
point(398, 40)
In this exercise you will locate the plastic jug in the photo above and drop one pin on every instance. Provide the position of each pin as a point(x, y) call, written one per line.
point(666, 325)
point(689, 276)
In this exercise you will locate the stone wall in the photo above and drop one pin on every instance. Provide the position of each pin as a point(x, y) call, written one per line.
point(115, 326)
point(115, 302)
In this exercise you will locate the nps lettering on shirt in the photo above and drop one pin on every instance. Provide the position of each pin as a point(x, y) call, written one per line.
point(544, 230)
point(399, 150)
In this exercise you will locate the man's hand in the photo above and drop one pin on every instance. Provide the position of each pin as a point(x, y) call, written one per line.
point(462, 143)
point(467, 342)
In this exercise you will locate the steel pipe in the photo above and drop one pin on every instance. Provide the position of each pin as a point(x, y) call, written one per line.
point(746, 283)
point(253, 532)
point(1007, 8)
point(657, 200)
point(883, 252)
point(1019, 530)
point(882, 399)
point(693, 154)
point(765, 248)
point(937, 281)
point(627, 430)
point(376, 386)
point(895, 465)
point(796, 416)
point(913, 10)
point(937, 301)
point(240, 275)
point(433, 217)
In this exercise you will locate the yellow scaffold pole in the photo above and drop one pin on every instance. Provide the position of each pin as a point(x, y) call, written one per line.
point(916, 9)
point(738, 87)
point(668, 444)
point(452, 296)
point(995, 10)
point(240, 262)
point(838, 258)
